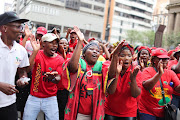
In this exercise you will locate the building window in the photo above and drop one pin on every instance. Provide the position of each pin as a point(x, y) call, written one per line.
point(61, 0)
point(123, 6)
point(119, 38)
point(86, 5)
point(132, 25)
point(120, 30)
point(51, 26)
point(73, 4)
point(121, 23)
point(99, 8)
point(101, 1)
point(39, 24)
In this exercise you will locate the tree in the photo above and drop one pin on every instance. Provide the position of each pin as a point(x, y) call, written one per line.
point(146, 38)
point(172, 40)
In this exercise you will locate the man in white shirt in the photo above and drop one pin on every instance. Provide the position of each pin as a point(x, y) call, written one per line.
point(13, 57)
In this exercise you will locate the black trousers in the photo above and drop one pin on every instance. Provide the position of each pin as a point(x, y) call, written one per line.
point(9, 112)
point(109, 117)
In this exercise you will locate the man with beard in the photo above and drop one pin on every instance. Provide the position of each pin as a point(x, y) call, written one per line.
point(12, 57)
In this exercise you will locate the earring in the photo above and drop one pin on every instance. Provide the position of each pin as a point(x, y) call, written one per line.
point(5, 30)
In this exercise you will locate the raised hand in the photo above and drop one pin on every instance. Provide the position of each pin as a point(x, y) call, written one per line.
point(106, 44)
point(69, 30)
point(55, 32)
point(8, 89)
point(79, 33)
point(160, 67)
point(134, 73)
point(27, 31)
point(141, 62)
point(117, 50)
point(119, 67)
point(35, 44)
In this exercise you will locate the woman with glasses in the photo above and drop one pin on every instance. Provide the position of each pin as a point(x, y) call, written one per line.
point(121, 103)
point(151, 105)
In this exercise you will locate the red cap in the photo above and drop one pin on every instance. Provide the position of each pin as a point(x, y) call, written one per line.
point(72, 31)
point(145, 48)
point(153, 48)
point(170, 52)
point(41, 30)
point(177, 50)
point(160, 53)
point(90, 39)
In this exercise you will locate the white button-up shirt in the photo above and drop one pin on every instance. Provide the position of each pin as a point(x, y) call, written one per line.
point(10, 60)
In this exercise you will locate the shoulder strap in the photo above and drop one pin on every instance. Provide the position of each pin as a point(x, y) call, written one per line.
point(162, 90)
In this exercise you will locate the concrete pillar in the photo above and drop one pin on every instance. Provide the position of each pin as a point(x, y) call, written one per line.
point(171, 21)
point(46, 26)
point(177, 23)
point(62, 28)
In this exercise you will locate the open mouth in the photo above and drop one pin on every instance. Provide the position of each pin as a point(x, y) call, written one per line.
point(126, 63)
point(53, 50)
point(94, 56)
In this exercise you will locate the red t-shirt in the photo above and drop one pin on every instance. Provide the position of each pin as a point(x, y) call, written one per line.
point(170, 64)
point(121, 103)
point(68, 55)
point(85, 106)
point(40, 86)
point(73, 44)
point(85, 99)
point(151, 101)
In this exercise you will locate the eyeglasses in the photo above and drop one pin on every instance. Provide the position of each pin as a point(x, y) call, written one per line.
point(19, 27)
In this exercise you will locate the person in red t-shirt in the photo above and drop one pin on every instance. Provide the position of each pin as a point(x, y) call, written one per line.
point(175, 66)
point(73, 40)
point(121, 104)
point(47, 68)
point(62, 94)
point(171, 54)
point(151, 105)
point(143, 56)
point(63, 49)
point(87, 81)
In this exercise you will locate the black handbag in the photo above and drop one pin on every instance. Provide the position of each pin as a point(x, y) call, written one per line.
point(169, 109)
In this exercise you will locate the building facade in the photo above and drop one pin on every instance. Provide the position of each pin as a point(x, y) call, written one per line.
point(174, 16)
point(160, 14)
point(127, 15)
point(88, 15)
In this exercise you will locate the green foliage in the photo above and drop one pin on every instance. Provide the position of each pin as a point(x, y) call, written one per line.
point(172, 40)
point(144, 37)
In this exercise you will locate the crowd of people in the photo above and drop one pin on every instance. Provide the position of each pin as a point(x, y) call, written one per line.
point(78, 79)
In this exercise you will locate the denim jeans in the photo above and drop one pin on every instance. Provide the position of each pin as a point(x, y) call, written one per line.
point(34, 105)
point(144, 116)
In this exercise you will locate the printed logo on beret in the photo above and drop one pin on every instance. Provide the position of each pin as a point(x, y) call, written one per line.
point(15, 14)
point(161, 51)
point(42, 29)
